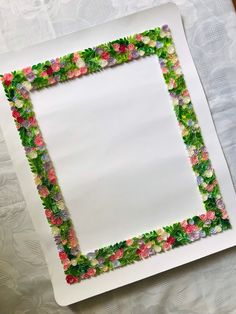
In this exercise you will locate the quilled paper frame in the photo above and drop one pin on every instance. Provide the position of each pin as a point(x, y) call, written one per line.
point(19, 84)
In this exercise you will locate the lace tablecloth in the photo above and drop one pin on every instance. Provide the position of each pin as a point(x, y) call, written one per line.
point(205, 286)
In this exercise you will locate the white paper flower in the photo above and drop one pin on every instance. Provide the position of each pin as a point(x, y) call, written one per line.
point(19, 103)
point(146, 40)
point(80, 63)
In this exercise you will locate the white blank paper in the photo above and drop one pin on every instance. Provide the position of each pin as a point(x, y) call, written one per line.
point(118, 152)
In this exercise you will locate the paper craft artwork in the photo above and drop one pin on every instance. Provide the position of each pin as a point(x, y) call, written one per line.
point(19, 84)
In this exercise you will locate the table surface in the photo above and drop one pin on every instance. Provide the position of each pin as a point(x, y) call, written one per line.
point(204, 286)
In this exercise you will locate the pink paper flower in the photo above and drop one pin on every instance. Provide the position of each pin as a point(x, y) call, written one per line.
point(91, 272)
point(117, 255)
point(38, 140)
point(224, 214)
point(48, 213)
point(210, 187)
point(203, 217)
point(194, 160)
point(43, 191)
point(76, 57)
point(116, 47)
point(130, 57)
point(139, 37)
point(84, 70)
point(166, 246)
point(72, 238)
point(186, 93)
point(7, 78)
point(164, 70)
point(25, 95)
point(129, 242)
point(55, 67)
point(131, 47)
point(52, 176)
point(205, 156)
point(44, 74)
point(70, 74)
point(190, 228)
point(27, 70)
point(210, 215)
point(51, 80)
point(66, 264)
point(77, 72)
point(184, 223)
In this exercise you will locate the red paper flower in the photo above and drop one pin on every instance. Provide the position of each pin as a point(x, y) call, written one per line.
point(71, 279)
point(32, 121)
point(15, 114)
point(122, 48)
point(56, 220)
point(105, 55)
point(63, 255)
point(171, 240)
point(143, 251)
point(49, 71)
point(20, 120)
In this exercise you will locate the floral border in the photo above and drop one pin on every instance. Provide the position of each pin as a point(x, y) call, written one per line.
point(19, 84)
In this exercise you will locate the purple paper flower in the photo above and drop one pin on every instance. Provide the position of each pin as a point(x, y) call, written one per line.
point(57, 197)
point(220, 204)
point(202, 234)
point(31, 77)
point(64, 215)
point(99, 50)
point(45, 158)
point(159, 44)
point(190, 122)
point(91, 255)
point(135, 54)
point(165, 28)
point(112, 61)
point(116, 263)
point(199, 180)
